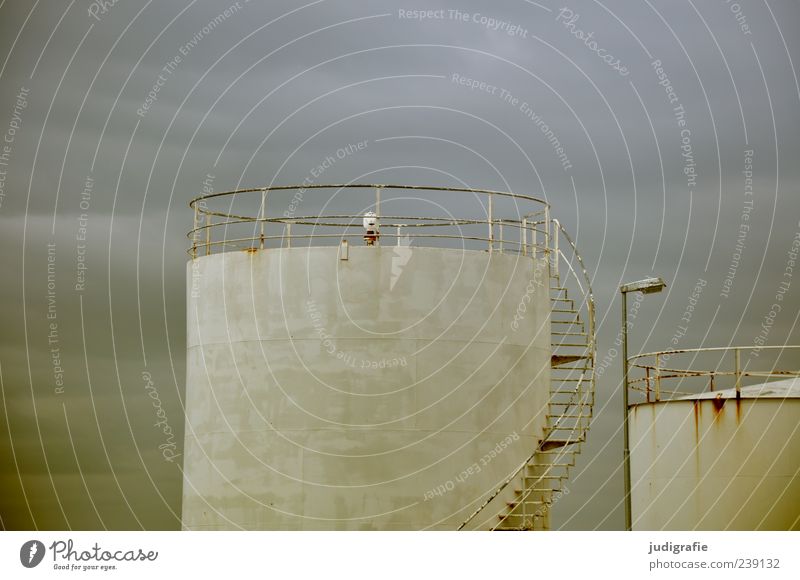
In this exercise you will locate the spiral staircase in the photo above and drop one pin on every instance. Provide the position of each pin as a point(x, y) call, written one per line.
point(524, 499)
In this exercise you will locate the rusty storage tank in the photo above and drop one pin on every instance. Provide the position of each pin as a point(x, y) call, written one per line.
point(384, 368)
point(724, 458)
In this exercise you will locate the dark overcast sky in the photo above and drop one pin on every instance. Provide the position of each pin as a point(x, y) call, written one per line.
point(271, 90)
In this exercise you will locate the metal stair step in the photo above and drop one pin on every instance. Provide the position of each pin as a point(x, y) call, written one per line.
point(558, 444)
point(566, 390)
point(574, 407)
point(553, 486)
point(555, 419)
point(556, 299)
point(583, 352)
point(556, 402)
point(569, 462)
point(557, 398)
point(561, 434)
point(558, 451)
point(536, 478)
point(579, 413)
point(507, 520)
point(582, 368)
point(571, 394)
point(557, 360)
point(534, 502)
point(565, 322)
point(548, 473)
point(549, 465)
point(532, 523)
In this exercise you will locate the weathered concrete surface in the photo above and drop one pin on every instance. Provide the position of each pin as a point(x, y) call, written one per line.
point(716, 464)
point(388, 391)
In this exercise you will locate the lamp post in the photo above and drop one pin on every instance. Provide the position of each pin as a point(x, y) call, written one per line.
point(646, 286)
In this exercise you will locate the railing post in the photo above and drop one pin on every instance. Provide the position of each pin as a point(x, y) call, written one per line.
point(547, 233)
point(261, 217)
point(491, 224)
point(647, 381)
point(554, 257)
point(524, 236)
point(194, 232)
point(738, 372)
point(208, 234)
point(658, 377)
point(288, 234)
point(378, 212)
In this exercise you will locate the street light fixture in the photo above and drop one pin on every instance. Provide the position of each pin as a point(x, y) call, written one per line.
point(646, 286)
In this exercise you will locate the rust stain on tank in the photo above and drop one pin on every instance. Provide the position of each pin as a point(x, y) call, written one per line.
point(697, 408)
point(738, 409)
point(719, 406)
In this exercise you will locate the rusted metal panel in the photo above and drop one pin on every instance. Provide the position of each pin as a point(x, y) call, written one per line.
point(718, 463)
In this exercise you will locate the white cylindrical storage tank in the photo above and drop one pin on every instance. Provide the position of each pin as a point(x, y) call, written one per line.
point(369, 387)
point(717, 462)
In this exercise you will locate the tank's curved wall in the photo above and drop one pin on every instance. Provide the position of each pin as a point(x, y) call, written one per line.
point(716, 464)
point(385, 391)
